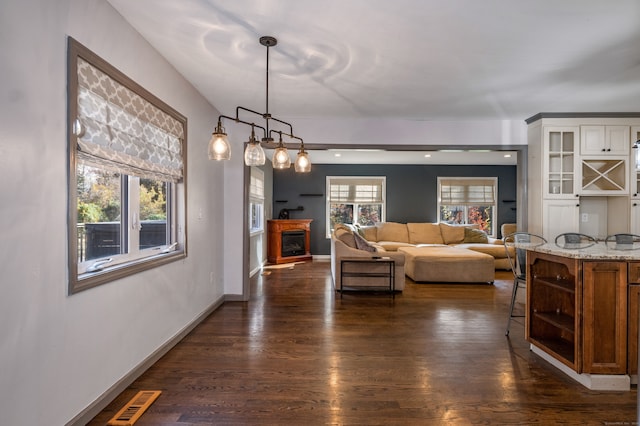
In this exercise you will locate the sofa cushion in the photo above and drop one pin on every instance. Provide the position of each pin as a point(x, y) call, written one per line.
point(424, 233)
point(508, 229)
point(362, 244)
point(345, 234)
point(392, 245)
point(475, 236)
point(497, 251)
point(452, 234)
point(392, 231)
point(369, 233)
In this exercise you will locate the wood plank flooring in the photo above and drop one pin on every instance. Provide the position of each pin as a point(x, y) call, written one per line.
point(298, 354)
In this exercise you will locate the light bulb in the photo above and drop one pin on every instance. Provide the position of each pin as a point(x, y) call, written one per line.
point(219, 147)
point(303, 165)
point(281, 158)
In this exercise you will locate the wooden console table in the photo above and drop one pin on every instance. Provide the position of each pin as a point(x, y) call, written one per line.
point(369, 273)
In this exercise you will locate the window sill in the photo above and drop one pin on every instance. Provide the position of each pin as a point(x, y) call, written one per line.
point(92, 279)
point(254, 233)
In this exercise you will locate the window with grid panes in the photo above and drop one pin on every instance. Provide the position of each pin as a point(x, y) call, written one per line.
point(468, 201)
point(355, 200)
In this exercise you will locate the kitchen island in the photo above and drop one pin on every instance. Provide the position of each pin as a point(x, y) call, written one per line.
point(582, 312)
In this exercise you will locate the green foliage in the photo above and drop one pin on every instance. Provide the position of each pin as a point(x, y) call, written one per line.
point(88, 212)
point(152, 203)
point(99, 196)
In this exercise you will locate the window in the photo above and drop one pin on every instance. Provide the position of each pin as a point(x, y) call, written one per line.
point(468, 201)
point(256, 201)
point(126, 175)
point(355, 200)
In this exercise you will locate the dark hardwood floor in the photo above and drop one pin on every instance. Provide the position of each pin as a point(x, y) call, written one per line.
point(298, 354)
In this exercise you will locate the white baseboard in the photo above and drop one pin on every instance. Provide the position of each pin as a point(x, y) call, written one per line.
point(612, 382)
point(117, 388)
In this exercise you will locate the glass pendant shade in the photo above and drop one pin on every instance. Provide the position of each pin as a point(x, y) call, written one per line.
point(281, 158)
point(253, 153)
point(219, 148)
point(303, 164)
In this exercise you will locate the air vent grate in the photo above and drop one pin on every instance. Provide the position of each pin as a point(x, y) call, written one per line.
point(134, 409)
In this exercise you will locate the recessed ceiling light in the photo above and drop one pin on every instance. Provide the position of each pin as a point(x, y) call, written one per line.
point(427, 155)
point(507, 156)
point(337, 154)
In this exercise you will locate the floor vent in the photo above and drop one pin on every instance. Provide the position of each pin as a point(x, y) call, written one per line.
point(134, 409)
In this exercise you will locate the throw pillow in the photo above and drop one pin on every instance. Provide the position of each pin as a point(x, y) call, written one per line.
point(475, 236)
point(452, 234)
point(362, 244)
point(345, 234)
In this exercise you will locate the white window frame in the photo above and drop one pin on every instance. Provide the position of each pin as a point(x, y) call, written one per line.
point(131, 259)
point(256, 202)
point(466, 201)
point(350, 198)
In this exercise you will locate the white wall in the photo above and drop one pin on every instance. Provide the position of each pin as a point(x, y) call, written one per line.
point(59, 353)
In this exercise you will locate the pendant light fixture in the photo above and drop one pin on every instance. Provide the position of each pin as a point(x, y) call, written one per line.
point(220, 149)
point(281, 158)
point(253, 154)
point(303, 164)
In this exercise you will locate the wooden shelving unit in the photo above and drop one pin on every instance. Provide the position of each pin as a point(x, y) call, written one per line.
point(553, 322)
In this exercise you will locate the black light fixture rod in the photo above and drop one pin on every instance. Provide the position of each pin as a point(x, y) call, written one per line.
point(266, 114)
point(238, 108)
point(237, 120)
point(291, 135)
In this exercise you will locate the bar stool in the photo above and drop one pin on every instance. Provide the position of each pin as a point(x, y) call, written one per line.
point(623, 242)
point(575, 241)
point(516, 245)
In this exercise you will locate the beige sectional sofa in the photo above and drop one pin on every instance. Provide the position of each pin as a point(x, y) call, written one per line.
point(343, 244)
point(433, 252)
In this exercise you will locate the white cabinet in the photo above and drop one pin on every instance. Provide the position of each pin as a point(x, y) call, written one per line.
point(604, 140)
point(560, 216)
point(635, 217)
point(634, 165)
point(583, 174)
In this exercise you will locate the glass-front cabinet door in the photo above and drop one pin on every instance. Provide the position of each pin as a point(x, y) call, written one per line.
point(634, 166)
point(560, 144)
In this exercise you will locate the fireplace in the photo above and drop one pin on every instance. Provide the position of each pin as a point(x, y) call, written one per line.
point(292, 243)
point(288, 240)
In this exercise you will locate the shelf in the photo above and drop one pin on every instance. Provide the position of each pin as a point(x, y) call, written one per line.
point(559, 347)
point(604, 175)
point(562, 321)
point(563, 285)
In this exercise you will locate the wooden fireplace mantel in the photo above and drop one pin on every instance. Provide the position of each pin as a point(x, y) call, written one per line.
point(275, 228)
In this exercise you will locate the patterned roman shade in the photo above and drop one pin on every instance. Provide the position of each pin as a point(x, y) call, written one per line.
point(123, 132)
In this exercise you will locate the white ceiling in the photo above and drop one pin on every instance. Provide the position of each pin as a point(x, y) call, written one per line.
point(424, 60)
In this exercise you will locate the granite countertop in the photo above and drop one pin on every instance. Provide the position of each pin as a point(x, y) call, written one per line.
point(597, 251)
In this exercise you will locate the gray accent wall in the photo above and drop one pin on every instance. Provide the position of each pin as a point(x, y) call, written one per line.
point(411, 193)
